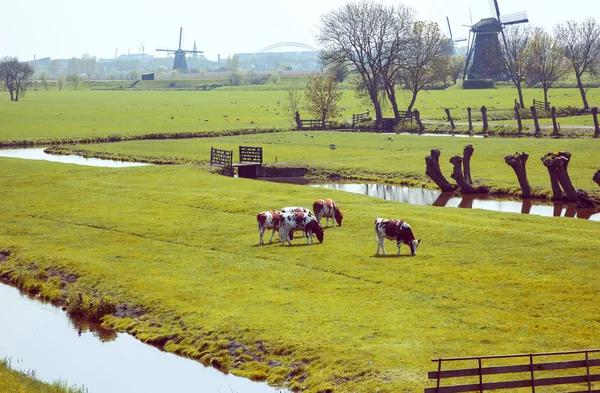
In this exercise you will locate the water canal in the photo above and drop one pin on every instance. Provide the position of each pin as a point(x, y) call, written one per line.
point(425, 197)
point(40, 337)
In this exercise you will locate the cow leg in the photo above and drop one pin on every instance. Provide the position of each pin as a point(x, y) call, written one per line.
point(272, 234)
point(308, 237)
point(399, 247)
point(327, 222)
point(261, 233)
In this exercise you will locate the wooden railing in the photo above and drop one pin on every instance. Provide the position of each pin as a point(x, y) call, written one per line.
point(314, 125)
point(251, 154)
point(580, 378)
point(541, 105)
point(221, 157)
point(359, 117)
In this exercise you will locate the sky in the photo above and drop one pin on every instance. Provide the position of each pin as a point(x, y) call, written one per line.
point(70, 28)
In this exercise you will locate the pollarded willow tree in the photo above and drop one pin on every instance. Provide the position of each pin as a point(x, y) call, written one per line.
point(580, 43)
point(545, 61)
point(364, 36)
point(514, 59)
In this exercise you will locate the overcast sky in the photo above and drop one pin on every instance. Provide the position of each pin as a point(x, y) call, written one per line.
point(69, 28)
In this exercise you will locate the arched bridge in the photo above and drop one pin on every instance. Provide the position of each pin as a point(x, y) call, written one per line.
point(289, 47)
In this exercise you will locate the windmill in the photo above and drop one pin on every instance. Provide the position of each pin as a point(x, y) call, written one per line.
point(452, 40)
point(483, 48)
point(180, 63)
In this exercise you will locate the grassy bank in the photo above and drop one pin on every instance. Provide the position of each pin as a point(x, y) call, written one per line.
point(13, 381)
point(180, 245)
point(372, 157)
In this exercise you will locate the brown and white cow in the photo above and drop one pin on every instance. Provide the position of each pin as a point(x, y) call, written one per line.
point(327, 208)
point(267, 220)
point(395, 230)
point(299, 221)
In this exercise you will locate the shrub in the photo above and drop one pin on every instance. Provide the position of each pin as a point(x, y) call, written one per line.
point(85, 306)
point(478, 84)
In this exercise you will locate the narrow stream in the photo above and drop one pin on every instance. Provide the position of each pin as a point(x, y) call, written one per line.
point(40, 337)
point(38, 154)
point(425, 197)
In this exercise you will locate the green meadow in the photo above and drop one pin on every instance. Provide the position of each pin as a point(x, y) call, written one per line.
point(179, 244)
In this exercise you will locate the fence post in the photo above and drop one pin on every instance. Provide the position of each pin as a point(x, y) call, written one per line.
point(596, 126)
point(470, 119)
point(211, 154)
point(554, 125)
point(484, 117)
point(418, 120)
point(450, 118)
point(535, 119)
point(518, 117)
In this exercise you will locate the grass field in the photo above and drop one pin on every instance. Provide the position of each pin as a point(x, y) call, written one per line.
point(93, 113)
point(180, 244)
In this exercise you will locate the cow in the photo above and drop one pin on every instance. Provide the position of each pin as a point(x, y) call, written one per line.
point(267, 220)
point(294, 209)
point(395, 230)
point(299, 221)
point(327, 208)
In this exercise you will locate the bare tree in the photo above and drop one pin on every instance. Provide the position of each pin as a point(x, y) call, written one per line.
point(16, 76)
point(545, 61)
point(426, 63)
point(44, 78)
point(60, 80)
point(322, 96)
point(75, 78)
point(292, 103)
point(355, 34)
point(580, 43)
point(514, 60)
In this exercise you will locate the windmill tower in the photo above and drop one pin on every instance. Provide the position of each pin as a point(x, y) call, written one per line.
point(483, 49)
point(452, 40)
point(180, 63)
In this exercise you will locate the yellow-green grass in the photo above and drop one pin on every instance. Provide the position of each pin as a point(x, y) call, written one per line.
point(370, 156)
point(93, 114)
point(13, 381)
point(182, 244)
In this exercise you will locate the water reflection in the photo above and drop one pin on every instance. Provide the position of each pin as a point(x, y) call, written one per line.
point(38, 154)
point(424, 197)
point(40, 337)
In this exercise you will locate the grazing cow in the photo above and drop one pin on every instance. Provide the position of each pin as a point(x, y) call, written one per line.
point(267, 220)
point(299, 221)
point(294, 209)
point(398, 230)
point(327, 208)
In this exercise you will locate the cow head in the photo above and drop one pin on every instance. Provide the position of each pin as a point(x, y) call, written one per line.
point(338, 216)
point(413, 244)
point(315, 228)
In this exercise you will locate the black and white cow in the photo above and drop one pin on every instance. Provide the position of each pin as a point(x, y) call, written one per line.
point(395, 230)
point(299, 221)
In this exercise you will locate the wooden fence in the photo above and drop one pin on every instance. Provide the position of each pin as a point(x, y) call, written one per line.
point(541, 105)
point(359, 117)
point(522, 374)
point(314, 125)
point(251, 154)
point(221, 157)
